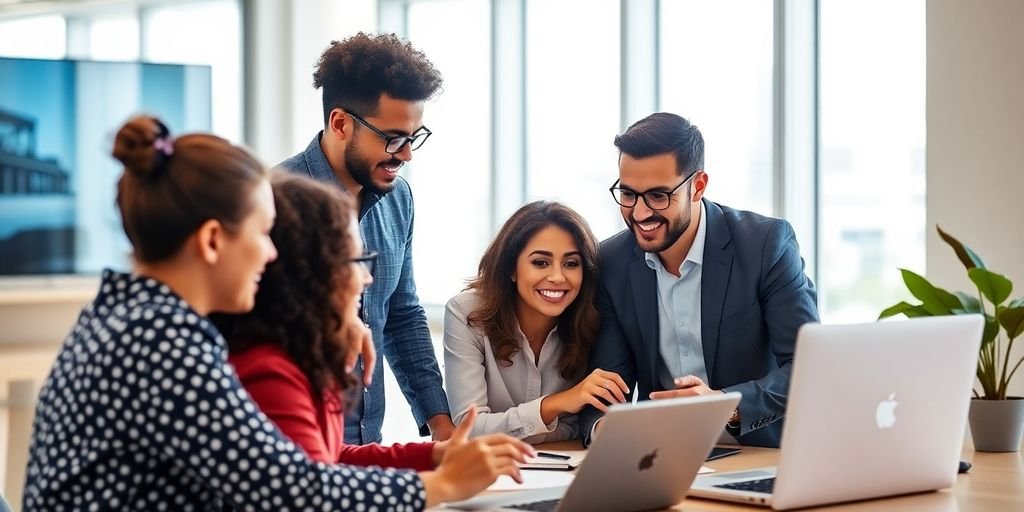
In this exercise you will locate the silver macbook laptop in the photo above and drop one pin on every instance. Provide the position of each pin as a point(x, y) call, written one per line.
point(874, 410)
point(645, 458)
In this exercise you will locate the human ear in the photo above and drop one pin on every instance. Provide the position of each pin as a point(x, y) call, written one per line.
point(336, 123)
point(699, 184)
point(210, 241)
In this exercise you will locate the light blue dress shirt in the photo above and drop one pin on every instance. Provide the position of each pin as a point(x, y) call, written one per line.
point(682, 352)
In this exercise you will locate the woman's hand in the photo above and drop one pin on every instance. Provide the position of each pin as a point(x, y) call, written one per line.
point(599, 385)
point(469, 466)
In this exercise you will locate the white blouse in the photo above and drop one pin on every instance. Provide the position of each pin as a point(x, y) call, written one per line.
point(507, 398)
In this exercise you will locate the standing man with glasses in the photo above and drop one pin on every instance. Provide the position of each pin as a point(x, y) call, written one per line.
point(696, 297)
point(374, 90)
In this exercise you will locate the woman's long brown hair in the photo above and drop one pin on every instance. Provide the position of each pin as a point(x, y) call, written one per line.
point(496, 314)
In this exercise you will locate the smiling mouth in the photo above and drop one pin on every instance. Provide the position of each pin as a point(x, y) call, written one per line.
point(553, 296)
point(391, 167)
point(648, 226)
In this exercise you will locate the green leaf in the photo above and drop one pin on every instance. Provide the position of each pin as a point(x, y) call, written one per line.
point(904, 308)
point(1012, 319)
point(990, 332)
point(995, 287)
point(969, 303)
point(964, 253)
point(1016, 303)
point(934, 300)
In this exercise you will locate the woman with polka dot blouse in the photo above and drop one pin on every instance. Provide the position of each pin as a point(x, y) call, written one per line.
point(141, 410)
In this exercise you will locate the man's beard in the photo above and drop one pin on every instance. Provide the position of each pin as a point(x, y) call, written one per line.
point(673, 231)
point(361, 171)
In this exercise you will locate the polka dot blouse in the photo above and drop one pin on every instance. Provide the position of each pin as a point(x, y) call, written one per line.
point(141, 412)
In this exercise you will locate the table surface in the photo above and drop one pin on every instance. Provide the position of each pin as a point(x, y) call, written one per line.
point(994, 483)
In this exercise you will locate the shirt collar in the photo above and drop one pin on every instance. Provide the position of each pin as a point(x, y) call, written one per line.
point(696, 252)
point(522, 337)
point(319, 168)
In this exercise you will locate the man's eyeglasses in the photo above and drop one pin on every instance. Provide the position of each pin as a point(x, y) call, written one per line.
point(656, 199)
point(368, 260)
point(395, 143)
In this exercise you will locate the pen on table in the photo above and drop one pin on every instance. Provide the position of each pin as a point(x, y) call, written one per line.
point(550, 455)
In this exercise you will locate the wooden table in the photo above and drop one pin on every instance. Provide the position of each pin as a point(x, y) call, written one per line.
point(995, 483)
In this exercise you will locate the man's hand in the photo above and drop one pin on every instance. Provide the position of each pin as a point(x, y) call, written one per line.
point(360, 344)
point(441, 427)
point(685, 386)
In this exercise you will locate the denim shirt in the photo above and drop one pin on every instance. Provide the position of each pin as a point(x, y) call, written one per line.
point(390, 305)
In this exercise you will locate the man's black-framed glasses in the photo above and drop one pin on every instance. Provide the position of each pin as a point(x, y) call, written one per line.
point(655, 198)
point(394, 143)
point(368, 260)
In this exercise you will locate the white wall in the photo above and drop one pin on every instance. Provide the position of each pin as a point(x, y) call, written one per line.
point(975, 155)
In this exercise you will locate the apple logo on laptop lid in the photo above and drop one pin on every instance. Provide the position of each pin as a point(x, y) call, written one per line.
point(885, 413)
point(647, 461)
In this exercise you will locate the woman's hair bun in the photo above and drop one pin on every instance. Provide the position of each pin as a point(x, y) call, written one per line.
point(143, 145)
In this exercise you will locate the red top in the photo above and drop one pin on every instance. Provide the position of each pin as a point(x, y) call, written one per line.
point(285, 395)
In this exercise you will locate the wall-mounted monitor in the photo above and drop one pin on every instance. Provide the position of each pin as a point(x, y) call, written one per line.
point(57, 178)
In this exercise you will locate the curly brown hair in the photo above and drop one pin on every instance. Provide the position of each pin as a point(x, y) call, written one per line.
point(355, 72)
point(298, 304)
point(496, 314)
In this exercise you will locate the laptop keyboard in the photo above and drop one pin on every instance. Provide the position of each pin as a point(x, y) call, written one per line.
point(763, 486)
point(538, 506)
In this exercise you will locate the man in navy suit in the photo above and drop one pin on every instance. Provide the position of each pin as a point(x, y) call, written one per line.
point(696, 297)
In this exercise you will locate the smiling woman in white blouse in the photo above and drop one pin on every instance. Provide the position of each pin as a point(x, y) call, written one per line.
point(516, 342)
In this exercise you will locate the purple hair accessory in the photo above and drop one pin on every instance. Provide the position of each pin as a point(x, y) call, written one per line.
point(164, 145)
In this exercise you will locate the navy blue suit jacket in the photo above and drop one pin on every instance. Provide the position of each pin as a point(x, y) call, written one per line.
point(754, 297)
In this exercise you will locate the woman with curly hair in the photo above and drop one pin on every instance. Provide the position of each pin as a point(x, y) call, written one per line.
point(296, 350)
point(516, 342)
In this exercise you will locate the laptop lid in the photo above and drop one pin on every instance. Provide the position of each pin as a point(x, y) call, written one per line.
point(645, 457)
point(874, 410)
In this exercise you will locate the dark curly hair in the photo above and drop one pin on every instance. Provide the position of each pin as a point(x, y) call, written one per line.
point(355, 72)
point(298, 304)
point(496, 314)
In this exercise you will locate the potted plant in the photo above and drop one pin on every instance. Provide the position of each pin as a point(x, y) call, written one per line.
point(997, 420)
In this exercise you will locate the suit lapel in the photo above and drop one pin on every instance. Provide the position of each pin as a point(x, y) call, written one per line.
point(718, 254)
point(645, 299)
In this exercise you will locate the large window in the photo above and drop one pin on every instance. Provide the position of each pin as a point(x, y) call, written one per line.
point(572, 113)
point(207, 32)
point(450, 175)
point(39, 37)
point(872, 165)
point(716, 70)
point(114, 37)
